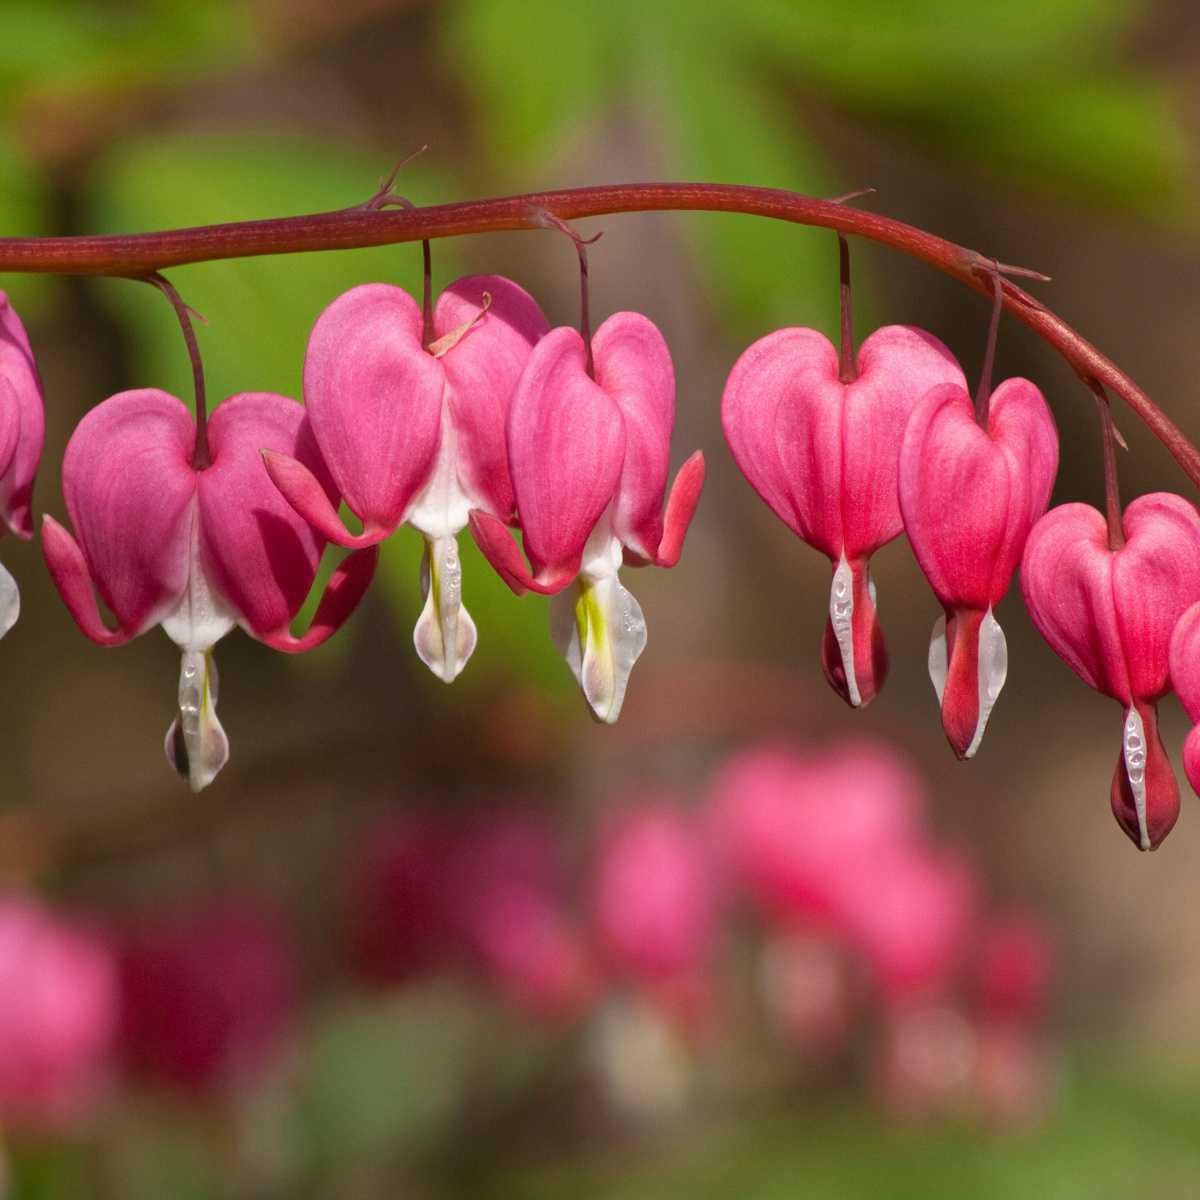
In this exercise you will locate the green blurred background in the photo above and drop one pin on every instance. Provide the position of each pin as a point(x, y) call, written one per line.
point(1059, 134)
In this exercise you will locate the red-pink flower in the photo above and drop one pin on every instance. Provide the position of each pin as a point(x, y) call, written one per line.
point(413, 430)
point(654, 902)
point(1185, 679)
point(22, 426)
point(1109, 616)
point(206, 995)
point(58, 1016)
point(823, 455)
point(589, 458)
point(196, 551)
point(970, 496)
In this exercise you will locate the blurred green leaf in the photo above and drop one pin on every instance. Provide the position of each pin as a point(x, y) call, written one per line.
point(21, 216)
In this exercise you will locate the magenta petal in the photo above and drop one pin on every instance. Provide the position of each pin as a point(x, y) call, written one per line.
point(970, 496)
point(633, 365)
point(566, 443)
point(1155, 579)
point(499, 547)
point(257, 551)
point(681, 507)
point(129, 487)
point(310, 498)
point(19, 370)
point(374, 397)
point(1066, 582)
point(10, 425)
point(482, 370)
point(346, 587)
point(70, 574)
point(1184, 660)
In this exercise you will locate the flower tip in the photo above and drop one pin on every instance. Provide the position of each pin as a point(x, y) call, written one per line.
point(1144, 792)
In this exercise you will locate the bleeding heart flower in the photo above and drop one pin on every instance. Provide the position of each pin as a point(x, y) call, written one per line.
point(413, 430)
point(969, 497)
point(22, 427)
point(1109, 616)
point(196, 551)
point(1185, 678)
point(589, 459)
point(823, 455)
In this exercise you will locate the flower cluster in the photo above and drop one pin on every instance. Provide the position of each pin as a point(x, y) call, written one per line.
point(864, 929)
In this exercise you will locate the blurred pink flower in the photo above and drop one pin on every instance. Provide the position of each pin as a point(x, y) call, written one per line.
point(207, 995)
point(58, 1016)
point(1015, 970)
point(654, 903)
point(808, 988)
point(788, 826)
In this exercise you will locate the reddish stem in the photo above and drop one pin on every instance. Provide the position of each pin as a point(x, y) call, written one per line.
point(201, 457)
point(140, 255)
point(585, 319)
point(846, 371)
point(984, 394)
point(1112, 493)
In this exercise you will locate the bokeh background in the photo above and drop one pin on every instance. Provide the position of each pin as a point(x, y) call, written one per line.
point(1059, 134)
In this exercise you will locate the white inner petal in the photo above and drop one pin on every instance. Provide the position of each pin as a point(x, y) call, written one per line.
point(10, 601)
point(196, 745)
point(841, 617)
point(993, 671)
point(939, 666)
point(442, 508)
point(444, 635)
point(1133, 747)
point(201, 617)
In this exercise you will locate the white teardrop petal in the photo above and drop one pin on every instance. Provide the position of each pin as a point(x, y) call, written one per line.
point(841, 618)
point(445, 634)
point(1133, 748)
point(10, 601)
point(993, 671)
point(196, 745)
point(939, 659)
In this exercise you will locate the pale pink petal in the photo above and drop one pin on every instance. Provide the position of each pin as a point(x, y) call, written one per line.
point(129, 487)
point(18, 368)
point(10, 426)
point(70, 574)
point(566, 443)
point(374, 396)
point(482, 370)
point(681, 507)
point(311, 500)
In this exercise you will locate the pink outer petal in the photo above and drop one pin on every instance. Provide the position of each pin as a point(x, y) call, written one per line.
point(960, 697)
point(681, 507)
point(258, 553)
point(566, 443)
point(129, 486)
point(18, 368)
point(499, 547)
point(1191, 759)
point(1185, 661)
point(897, 365)
point(1066, 579)
point(481, 372)
point(1162, 790)
point(821, 453)
point(309, 497)
point(1156, 578)
point(345, 589)
point(10, 426)
point(374, 397)
point(970, 497)
point(633, 365)
point(70, 574)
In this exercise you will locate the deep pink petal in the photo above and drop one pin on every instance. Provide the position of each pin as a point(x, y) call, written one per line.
point(346, 587)
point(374, 396)
point(310, 498)
point(10, 425)
point(1184, 660)
point(633, 365)
point(482, 370)
point(781, 412)
point(499, 547)
point(897, 366)
point(18, 368)
point(1066, 579)
point(566, 443)
point(1156, 578)
point(1161, 795)
point(257, 551)
point(129, 487)
point(70, 574)
point(681, 507)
